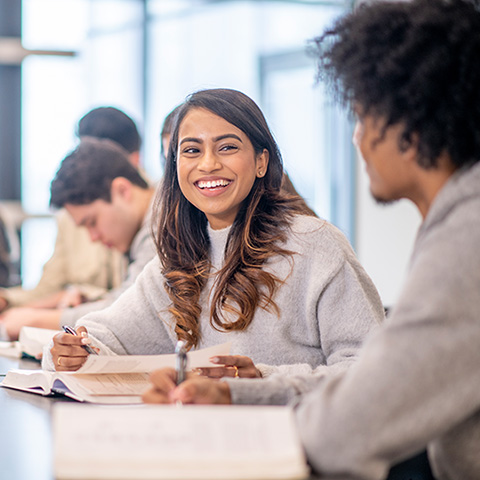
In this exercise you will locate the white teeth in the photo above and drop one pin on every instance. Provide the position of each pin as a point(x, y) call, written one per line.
point(213, 183)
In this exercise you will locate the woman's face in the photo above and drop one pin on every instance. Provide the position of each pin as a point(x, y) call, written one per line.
point(216, 165)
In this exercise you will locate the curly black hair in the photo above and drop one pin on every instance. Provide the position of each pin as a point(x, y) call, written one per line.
point(413, 63)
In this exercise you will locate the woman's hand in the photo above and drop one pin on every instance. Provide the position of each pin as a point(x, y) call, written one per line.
point(195, 389)
point(231, 366)
point(68, 353)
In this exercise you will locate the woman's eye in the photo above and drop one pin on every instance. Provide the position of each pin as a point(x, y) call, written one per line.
point(190, 150)
point(228, 147)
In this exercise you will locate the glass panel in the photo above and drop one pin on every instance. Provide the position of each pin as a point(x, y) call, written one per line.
point(38, 236)
point(301, 141)
point(57, 91)
point(53, 99)
point(206, 44)
point(54, 24)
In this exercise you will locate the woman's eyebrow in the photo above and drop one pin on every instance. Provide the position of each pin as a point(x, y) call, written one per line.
point(190, 139)
point(227, 135)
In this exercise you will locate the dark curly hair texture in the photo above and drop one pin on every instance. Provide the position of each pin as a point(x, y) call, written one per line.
point(256, 236)
point(416, 63)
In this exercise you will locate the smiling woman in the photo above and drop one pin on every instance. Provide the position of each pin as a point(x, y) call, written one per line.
point(216, 172)
point(238, 260)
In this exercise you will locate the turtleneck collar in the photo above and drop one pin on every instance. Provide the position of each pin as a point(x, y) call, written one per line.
point(218, 240)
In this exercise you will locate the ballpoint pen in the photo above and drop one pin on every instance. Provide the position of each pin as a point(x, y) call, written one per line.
point(72, 331)
point(181, 361)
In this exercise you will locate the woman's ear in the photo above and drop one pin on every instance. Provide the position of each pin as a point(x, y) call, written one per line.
point(262, 163)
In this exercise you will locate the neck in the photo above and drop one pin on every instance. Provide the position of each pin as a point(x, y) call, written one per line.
point(143, 198)
point(430, 182)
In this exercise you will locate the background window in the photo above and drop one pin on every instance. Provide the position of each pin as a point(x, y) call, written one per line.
point(145, 57)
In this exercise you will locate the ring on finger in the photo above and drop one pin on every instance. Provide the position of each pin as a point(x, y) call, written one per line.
point(236, 371)
point(59, 361)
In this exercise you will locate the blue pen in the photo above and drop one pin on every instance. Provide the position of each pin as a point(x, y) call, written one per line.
point(72, 331)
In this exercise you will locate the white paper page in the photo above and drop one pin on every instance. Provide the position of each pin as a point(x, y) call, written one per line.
point(28, 379)
point(197, 442)
point(124, 384)
point(149, 363)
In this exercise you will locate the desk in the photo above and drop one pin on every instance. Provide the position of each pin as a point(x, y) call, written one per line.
point(26, 435)
point(25, 430)
point(26, 451)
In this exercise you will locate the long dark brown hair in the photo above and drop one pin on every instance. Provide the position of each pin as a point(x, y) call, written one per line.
point(257, 233)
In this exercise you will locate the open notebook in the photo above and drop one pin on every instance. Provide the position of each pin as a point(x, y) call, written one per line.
point(106, 379)
point(169, 442)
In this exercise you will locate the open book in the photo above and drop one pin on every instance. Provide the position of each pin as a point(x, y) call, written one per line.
point(104, 378)
point(168, 442)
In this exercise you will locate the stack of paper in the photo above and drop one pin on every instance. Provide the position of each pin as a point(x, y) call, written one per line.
point(169, 442)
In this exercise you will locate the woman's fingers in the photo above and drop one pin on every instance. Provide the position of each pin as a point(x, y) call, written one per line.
point(68, 363)
point(164, 379)
point(216, 372)
point(231, 366)
point(68, 352)
point(195, 389)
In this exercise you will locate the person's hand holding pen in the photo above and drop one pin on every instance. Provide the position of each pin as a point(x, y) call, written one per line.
point(177, 386)
point(194, 390)
point(69, 350)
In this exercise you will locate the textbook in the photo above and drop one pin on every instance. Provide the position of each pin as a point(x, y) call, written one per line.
point(110, 379)
point(190, 442)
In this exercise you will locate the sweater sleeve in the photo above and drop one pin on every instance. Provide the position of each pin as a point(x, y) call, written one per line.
point(137, 323)
point(416, 378)
point(347, 311)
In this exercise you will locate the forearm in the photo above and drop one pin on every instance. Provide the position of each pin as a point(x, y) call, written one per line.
point(275, 390)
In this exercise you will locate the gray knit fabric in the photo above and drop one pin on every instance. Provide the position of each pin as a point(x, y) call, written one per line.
point(327, 306)
point(416, 383)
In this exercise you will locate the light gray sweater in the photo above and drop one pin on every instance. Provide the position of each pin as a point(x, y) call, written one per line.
point(327, 306)
point(416, 383)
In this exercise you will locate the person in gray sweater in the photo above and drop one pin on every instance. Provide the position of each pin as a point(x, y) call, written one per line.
point(411, 72)
point(238, 261)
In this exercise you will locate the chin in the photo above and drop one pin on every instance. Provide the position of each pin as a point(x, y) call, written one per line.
point(383, 200)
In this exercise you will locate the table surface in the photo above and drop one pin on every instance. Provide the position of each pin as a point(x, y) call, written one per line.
point(26, 444)
point(26, 437)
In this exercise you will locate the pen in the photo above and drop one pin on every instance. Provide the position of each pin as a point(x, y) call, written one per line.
point(181, 361)
point(72, 331)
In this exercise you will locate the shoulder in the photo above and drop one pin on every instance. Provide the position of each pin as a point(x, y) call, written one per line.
point(315, 233)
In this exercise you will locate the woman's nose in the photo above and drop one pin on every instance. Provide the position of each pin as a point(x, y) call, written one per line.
point(208, 162)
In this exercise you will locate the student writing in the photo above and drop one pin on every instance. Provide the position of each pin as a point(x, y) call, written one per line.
point(237, 261)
